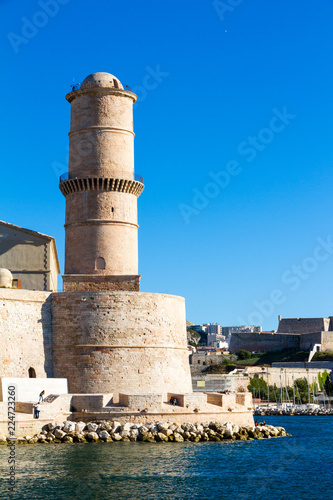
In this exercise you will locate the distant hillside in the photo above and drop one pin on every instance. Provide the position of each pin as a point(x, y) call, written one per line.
point(323, 356)
point(195, 338)
point(262, 359)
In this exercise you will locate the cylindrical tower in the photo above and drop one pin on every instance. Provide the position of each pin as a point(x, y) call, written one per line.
point(101, 189)
point(108, 337)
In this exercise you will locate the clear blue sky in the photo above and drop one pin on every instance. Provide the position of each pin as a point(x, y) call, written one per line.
point(212, 111)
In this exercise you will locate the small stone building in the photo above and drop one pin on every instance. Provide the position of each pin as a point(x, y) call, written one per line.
point(30, 256)
point(200, 360)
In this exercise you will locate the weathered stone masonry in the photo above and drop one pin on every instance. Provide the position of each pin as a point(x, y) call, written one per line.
point(25, 333)
point(101, 189)
point(120, 342)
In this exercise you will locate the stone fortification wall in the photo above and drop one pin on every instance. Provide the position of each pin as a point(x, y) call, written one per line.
point(303, 325)
point(308, 340)
point(320, 365)
point(327, 341)
point(260, 342)
point(287, 375)
point(25, 333)
point(121, 342)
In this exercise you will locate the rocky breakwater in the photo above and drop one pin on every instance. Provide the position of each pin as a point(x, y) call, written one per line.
point(294, 411)
point(111, 431)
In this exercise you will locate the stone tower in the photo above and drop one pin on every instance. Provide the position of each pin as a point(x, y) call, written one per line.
point(108, 337)
point(101, 189)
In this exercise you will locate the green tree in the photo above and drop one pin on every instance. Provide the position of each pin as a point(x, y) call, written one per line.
point(328, 387)
point(226, 361)
point(303, 389)
point(258, 387)
point(244, 354)
point(322, 377)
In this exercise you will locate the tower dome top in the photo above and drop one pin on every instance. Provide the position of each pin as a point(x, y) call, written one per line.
point(101, 80)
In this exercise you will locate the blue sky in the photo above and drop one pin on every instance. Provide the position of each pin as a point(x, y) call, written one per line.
point(233, 139)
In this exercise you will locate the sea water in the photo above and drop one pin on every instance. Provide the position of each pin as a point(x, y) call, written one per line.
point(299, 467)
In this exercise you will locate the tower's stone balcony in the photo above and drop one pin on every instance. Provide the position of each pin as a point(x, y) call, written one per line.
point(73, 184)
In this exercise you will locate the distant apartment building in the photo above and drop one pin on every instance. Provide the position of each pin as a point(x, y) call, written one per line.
point(220, 344)
point(213, 338)
point(214, 328)
point(227, 331)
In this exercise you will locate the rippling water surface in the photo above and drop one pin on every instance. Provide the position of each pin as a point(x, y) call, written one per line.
point(300, 467)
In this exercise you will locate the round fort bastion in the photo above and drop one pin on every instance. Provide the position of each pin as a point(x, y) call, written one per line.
point(120, 342)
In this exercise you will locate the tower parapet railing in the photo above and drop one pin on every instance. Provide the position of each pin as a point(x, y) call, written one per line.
point(73, 183)
point(120, 175)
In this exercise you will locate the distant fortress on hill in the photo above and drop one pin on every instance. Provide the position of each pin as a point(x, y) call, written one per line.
point(294, 333)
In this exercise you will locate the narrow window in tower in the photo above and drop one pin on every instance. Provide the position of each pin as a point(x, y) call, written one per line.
point(115, 84)
point(100, 263)
point(32, 372)
point(112, 210)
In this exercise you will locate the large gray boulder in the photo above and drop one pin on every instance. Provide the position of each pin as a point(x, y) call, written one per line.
point(67, 439)
point(59, 434)
point(80, 426)
point(125, 434)
point(80, 438)
point(69, 427)
point(126, 427)
point(92, 436)
point(105, 426)
point(166, 432)
point(115, 425)
point(162, 426)
point(50, 436)
point(104, 435)
point(116, 436)
point(177, 437)
point(92, 427)
point(161, 437)
point(52, 425)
